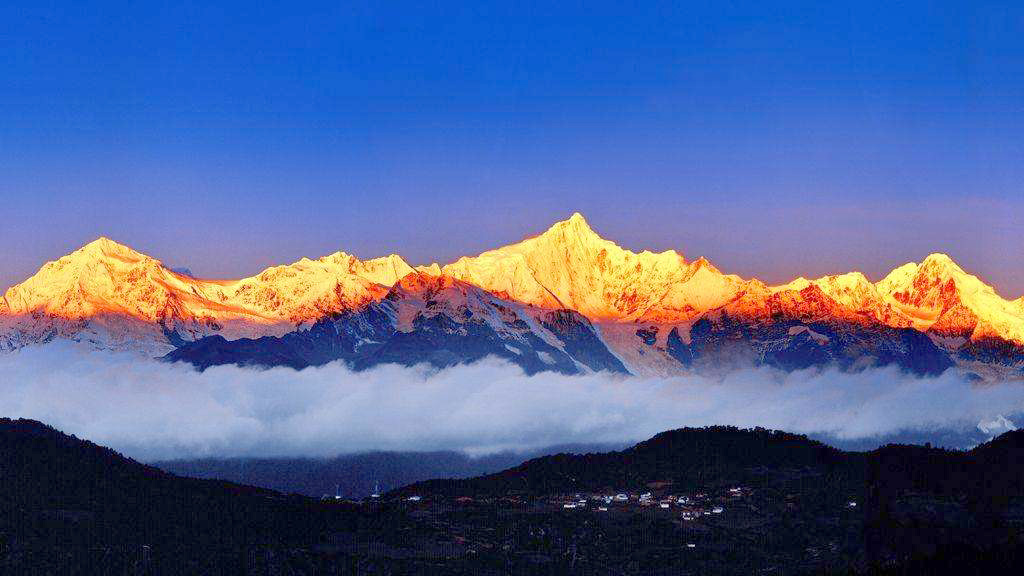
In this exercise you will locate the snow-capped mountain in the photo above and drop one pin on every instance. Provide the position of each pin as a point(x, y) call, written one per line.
point(996, 426)
point(424, 318)
point(570, 266)
point(938, 296)
point(566, 299)
point(111, 296)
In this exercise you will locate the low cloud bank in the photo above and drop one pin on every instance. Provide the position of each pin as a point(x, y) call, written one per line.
point(154, 410)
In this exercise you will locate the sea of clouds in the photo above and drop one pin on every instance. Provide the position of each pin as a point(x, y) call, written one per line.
point(151, 410)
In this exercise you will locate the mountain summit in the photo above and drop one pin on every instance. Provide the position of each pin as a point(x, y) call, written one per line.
point(570, 266)
point(938, 295)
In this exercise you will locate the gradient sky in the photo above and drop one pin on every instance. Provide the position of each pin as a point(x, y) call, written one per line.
point(808, 139)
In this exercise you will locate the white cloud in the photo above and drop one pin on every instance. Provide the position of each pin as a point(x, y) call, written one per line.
point(149, 409)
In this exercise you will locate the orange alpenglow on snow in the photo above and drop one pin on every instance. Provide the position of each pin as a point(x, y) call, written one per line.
point(104, 281)
point(130, 297)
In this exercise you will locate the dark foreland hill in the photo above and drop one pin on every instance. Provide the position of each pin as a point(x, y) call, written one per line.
point(688, 458)
point(691, 501)
point(69, 506)
point(787, 501)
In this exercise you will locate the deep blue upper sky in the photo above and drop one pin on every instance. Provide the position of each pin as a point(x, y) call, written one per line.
point(805, 139)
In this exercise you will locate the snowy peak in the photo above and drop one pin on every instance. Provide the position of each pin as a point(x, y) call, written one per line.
point(939, 295)
point(938, 262)
point(996, 426)
point(105, 248)
point(88, 281)
point(701, 288)
point(136, 297)
point(854, 292)
point(385, 270)
point(422, 283)
point(578, 220)
point(702, 264)
point(927, 289)
point(571, 266)
point(442, 291)
point(574, 231)
point(915, 284)
point(420, 295)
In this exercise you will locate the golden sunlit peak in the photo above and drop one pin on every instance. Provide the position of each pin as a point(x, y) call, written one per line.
point(938, 260)
point(107, 247)
point(103, 242)
point(703, 262)
point(576, 223)
point(938, 257)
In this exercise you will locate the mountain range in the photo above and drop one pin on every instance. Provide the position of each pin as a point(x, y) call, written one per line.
point(566, 300)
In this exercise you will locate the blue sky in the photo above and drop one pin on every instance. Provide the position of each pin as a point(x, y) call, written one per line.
point(807, 138)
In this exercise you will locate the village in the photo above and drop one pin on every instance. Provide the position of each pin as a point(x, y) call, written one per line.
point(689, 507)
point(698, 530)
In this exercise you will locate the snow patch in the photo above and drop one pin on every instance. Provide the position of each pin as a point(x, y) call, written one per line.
point(996, 426)
point(816, 336)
